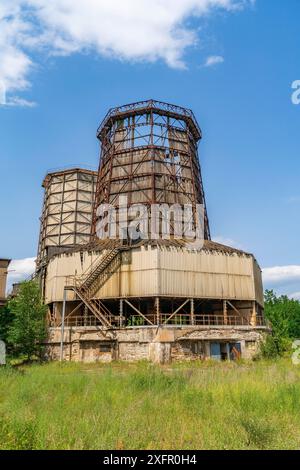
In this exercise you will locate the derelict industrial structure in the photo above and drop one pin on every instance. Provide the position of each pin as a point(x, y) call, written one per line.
point(152, 298)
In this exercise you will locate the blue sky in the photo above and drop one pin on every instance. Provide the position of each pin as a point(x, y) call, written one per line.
point(233, 66)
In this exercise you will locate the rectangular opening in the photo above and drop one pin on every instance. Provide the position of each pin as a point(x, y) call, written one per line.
point(105, 347)
point(225, 351)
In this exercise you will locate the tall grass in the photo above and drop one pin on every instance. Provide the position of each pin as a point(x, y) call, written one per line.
point(122, 406)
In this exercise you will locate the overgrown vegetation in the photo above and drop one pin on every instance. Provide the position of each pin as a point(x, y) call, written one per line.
point(123, 406)
point(6, 319)
point(23, 322)
point(284, 315)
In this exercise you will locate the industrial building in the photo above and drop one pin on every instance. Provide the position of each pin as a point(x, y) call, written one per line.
point(156, 298)
point(4, 263)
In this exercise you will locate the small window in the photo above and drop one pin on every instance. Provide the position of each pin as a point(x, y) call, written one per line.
point(105, 347)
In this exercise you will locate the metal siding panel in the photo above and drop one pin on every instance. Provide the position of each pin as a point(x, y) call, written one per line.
point(169, 272)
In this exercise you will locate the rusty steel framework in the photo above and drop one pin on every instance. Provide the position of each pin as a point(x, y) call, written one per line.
point(149, 154)
point(67, 211)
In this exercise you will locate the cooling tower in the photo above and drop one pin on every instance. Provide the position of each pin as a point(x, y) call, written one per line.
point(158, 298)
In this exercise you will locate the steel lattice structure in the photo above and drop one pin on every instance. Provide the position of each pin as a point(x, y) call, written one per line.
point(149, 153)
point(67, 211)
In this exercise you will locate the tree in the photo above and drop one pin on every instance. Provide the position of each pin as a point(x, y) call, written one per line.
point(284, 316)
point(6, 318)
point(28, 329)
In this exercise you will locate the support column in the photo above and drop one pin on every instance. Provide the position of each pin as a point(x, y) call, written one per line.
point(121, 313)
point(157, 311)
point(225, 312)
point(54, 319)
point(228, 351)
point(63, 326)
point(253, 321)
point(192, 312)
point(85, 315)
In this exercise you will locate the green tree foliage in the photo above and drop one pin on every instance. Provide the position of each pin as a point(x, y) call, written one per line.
point(6, 318)
point(284, 315)
point(28, 328)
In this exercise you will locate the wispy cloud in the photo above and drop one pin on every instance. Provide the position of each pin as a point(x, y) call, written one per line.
point(214, 60)
point(293, 200)
point(132, 30)
point(16, 101)
point(281, 274)
point(228, 242)
point(19, 270)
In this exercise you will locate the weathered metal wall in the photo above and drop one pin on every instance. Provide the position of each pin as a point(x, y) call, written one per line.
point(210, 275)
point(258, 283)
point(173, 272)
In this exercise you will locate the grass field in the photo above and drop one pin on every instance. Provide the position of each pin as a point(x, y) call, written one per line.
point(142, 406)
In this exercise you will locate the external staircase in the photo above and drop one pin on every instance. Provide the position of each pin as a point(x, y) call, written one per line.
point(87, 285)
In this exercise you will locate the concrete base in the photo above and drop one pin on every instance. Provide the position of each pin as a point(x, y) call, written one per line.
point(155, 344)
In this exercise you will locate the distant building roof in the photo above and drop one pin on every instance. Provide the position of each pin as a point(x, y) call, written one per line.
point(67, 170)
point(5, 261)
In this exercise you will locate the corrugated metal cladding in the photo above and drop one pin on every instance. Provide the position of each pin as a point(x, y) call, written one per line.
point(67, 210)
point(162, 271)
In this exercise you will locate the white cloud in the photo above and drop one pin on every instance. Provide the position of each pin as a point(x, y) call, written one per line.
point(295, 296)
point(279, 275)
point(15, 64)
point(213, 60)
point(284, 280)
point(132, 30)
point(19, 270)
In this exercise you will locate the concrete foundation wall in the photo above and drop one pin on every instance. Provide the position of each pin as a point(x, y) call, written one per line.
point(157, 344)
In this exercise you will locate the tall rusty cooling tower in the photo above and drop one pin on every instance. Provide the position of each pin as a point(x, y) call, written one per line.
point(151, 298)
point(149, 154)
